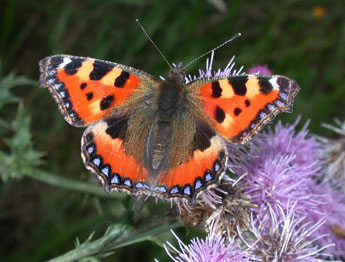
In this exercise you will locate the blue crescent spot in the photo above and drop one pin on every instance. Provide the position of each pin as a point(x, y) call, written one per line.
point(58, 86)
point(91, 149)
point(198, 184)
point(96, 161)
point(270, 107)
point(115, 180)
point(174, 190)
point(208, 176)
point(279, 103)
point(262, 114)
point(216, 167)
point(127, 182)
point(283, 95)
point(187, 190)
point(141, 185)
point(160, 189)
point(105, 170)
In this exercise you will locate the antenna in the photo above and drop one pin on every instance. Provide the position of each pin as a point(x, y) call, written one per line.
point(147, 35)
point(227, 41)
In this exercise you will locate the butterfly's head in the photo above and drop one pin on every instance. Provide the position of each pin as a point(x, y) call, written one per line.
point(177, 72)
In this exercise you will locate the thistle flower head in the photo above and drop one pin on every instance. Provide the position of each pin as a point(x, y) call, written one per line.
point(280, 165)
point(334, 156)
point(285, 140)
point(210, 72)
point(331, 207)
point(213, 248)
point(284, 236)
point(225, 217)
point(260, 69)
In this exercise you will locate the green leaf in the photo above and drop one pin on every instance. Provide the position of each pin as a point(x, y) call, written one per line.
point(9, 82)
point(20, 156)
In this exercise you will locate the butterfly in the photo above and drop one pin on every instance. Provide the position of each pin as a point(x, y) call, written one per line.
point(163, 138)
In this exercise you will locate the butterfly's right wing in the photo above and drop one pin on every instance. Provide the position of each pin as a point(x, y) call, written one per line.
point(239, 106)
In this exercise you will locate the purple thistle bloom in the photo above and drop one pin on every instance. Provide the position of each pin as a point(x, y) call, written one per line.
point(334, 156)
point(332, 208)
point(209, 72)
point(211, 249)
point(284, 236)
point(260, 69)
point(279, 167)
point(285, 140)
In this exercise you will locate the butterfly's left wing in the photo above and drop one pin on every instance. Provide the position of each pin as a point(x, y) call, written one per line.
point(88, 89)
point(239, 106)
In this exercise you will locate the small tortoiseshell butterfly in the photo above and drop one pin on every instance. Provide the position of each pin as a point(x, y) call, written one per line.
point(163, 138)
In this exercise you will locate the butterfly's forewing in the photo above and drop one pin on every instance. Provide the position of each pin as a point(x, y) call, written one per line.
point(240, 106)
point(88, 89)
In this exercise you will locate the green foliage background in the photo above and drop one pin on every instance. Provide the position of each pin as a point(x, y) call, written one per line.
point(47, 198)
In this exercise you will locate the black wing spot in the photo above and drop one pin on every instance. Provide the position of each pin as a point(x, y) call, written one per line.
point(121, 80)
point(247, 102)
point(265, 85)
point(239, 85)
point(107, 102)
point(89, 96)
point(216, 89)
point(82, 86)
point(100, 69)
point(72, 67)
point(202, 136)
point(237, 111)
point(117, 127)
point(219, 114)
point(56, 61)
point(283, 82)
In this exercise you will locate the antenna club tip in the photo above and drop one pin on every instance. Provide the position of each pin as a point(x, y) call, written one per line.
point(137, 20)
point(239, 34)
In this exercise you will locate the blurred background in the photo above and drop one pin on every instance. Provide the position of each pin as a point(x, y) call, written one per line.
point(47, 198)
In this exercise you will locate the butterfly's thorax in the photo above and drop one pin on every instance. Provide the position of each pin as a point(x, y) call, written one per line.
point(170, 97)
point(171, 101)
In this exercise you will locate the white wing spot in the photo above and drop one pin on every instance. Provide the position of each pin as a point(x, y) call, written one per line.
point(273, 82)
point(66, 60)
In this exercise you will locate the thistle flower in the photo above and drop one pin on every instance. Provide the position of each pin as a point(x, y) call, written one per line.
point(285, 140)
point(211, 249)
point(331, 208)
point(284, 236)
point(209, 72)
point(334, 156)
point(280, 166)
point(227, 217)
point(260, 69)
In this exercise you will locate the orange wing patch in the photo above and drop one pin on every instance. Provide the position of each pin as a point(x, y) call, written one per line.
point(87, 89)
point(241, 105)
point(103, 154)
point(204, 168)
